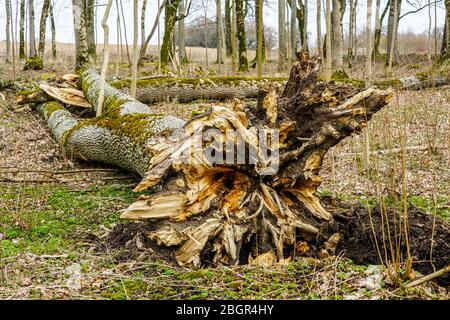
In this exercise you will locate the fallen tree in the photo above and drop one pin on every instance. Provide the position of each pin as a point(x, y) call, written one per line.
point(191, 89)
point(216, 210)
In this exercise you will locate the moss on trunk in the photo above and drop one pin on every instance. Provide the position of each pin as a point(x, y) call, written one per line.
point(169, 24)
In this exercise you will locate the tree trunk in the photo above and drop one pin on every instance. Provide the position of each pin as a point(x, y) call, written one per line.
point(379, 24)
point(394, 14)
point(233, 39)
point(293, 34)
point(319, 28)
point(305, 26)
point(152, 32)
point(445, 48)
point(368, 70)
point(242, 41)
point(350, 33)
point(105, 64)
point(219, 32)
point(182, 33)
point(134, 67)
point(43, 28)
point(144, 9)
point(31, 30)
point(83, 58)
point(90, 28)
point(8, 31)
point(171, 9)
point(282, 36)
point(211, 210)
point(336, 35)
point(22, 30)
point(228, 27)
point(260, 52)
point(53, 28)
point(328, 50)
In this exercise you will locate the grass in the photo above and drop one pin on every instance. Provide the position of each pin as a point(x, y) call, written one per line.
point(40, 219)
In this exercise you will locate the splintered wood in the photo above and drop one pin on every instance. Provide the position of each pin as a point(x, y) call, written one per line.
point(251, 211)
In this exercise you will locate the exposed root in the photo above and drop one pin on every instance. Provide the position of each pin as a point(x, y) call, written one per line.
point(217, 200)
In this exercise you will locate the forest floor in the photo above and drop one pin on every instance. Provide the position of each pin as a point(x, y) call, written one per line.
point(56, 214)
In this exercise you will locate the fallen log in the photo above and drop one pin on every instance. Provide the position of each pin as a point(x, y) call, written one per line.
point(235, 182)
point(186, 90)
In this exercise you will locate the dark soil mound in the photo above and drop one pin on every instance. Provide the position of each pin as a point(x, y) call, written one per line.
point(352, 221)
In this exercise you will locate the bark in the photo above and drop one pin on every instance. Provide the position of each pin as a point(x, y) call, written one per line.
point(394, 14)
point(282, 54)
point(377, 35)
point(240, 33)
point(134, 67)
point(445, 48)
point(22, 30)
point(319, 28)
point(336, 34)
point(328, 52)
point(219, 34)
point(260, 57)
point(31, 30)
point(171, 9)
point(182, 33)
point(368, 70)
point(89, 7)
point(8, 31)
point(305, 26)
point(228, 27)
point(43, 28)
point(83, 58)
point(293, 34)
point(152, 32)
point(144, 9)
point(226, 207)
point(234, 50)
point(53, 28)
point(350, 33)
point(105, 59)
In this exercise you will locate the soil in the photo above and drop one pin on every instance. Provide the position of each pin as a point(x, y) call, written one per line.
point(353, 222)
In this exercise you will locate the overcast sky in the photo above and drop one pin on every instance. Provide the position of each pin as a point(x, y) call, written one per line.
point(417, 22)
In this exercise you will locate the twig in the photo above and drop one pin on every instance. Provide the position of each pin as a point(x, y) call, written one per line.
point(428, 277)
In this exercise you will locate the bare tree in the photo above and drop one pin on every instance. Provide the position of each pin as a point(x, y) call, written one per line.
point(233, 38)
point(152, 32)
point(227, 12)
point(43, 28)
point(305, 25)
point(293, 35)
point(445, 48)
point(368, 79)
point(134, 68)
point(328, 41)
point(31, 31)
point(379, 24)
point(22, 30)
point(394, 14)
point(83, 58)
point(241, 37)
point(219, 32)
point(336, 34)
point(89, 7)
point(53, 28)
point(319, 29)
point(8, 31)
point(350, 33)
point(282, 35)
point(171, 8)
point(143, 11)
point(181, 32)
point(260, 36)
point(101, 94)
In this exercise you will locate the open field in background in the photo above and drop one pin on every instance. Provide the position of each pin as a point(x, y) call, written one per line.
point(50, 232)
